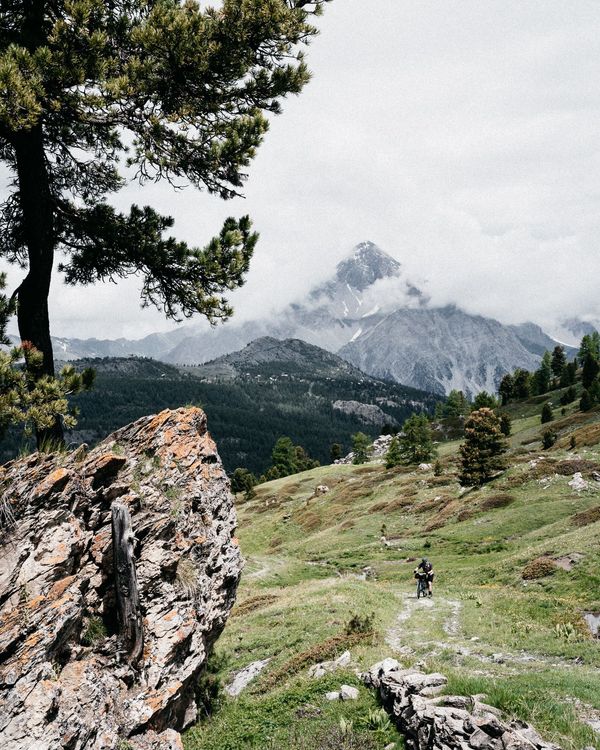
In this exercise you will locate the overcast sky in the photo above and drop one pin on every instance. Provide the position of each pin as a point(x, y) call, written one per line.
point(463, 138)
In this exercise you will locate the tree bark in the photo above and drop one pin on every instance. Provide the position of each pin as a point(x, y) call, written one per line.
point(128, 602)
point(38, 232)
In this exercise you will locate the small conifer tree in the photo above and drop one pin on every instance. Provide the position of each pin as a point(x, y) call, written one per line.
point(335, 452)
point(360, 447)
point(393, 457)
point(548, 439)
point(485, 399)
point(585, 403)
point(521, 384)
point(590, 371)
point(505, 424)
point(559, 361)
point(547, 413)
point(506, 388)
point(568, 396)
point(481, 453)
point(416, 443)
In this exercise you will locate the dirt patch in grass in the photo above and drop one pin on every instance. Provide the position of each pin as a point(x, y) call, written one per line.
point(586, 517)
point(501, 500)
point(399, 502)
point(567, 562)
point(543, 468)
point(275, 542)
point(307, 519)
point(588, 435)
point(539, 568)
point(290, 487)
point(252, 604)
point(566, 468)
point(328, 649)
point(434, 503)
point(445, 515)
point(367, 469)
point(440, 481)
point(574, 419)
point(347, 525)
point(377, 507)
point(352, 492)
point(516, 480)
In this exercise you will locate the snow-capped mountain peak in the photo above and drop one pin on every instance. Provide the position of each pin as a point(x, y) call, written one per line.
point(366, 264)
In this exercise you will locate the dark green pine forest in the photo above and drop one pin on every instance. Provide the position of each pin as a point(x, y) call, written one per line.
point(247, 412)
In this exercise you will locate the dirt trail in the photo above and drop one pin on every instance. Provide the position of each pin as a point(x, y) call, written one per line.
point(434, 625)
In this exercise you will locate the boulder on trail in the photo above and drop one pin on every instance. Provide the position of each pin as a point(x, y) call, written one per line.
point(70, 676)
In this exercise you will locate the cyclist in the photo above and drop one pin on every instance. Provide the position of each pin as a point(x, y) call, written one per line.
point(427, 568)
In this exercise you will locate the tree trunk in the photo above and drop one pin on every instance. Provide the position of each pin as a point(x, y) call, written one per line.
point(128, 602)
point(38, 231)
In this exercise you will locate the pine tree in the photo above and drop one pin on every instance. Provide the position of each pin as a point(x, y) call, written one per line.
point(303, 461)
point(548, 439)
point(244, 481)
point(506, 389)
point(284, 457)
point(522, 384)
point(481, 453)
point(335, 452)
point(547, 413)
point(29, 399)
point(177, 92)
point(568, 396)
point(360, 447)
point(393, 457)
point(585, 403)
point(457, 405)
point(590, 370)
point(505, 424)
point(542, 377)
point(571, 373)
point(559, 361)
point(484, 399)
point(416, 443)
point(589, 347)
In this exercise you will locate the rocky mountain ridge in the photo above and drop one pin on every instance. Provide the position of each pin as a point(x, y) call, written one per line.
point(370, 313)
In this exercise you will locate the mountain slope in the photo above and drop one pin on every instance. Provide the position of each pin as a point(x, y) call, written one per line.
point(271, 356)
point(440, 349)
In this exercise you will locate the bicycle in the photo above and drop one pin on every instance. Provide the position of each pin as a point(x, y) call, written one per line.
point(422, 587)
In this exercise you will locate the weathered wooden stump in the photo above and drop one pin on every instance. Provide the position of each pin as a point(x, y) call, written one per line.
point(128, 601)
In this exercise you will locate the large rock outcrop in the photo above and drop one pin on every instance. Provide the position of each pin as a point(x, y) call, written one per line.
point(65, 680)
point(430, 721)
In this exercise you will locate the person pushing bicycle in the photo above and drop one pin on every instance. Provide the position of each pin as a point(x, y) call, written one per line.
point(425, 568)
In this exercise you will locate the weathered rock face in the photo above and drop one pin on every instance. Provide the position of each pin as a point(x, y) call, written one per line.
point(64, 680)
point(445, 722)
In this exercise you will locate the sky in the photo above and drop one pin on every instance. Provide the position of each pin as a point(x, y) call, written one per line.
point(463, 138)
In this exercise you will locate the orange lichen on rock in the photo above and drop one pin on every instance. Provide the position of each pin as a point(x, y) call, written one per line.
point(57, 593)
point(54, 482)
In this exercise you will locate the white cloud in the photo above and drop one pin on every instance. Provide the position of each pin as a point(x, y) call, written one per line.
point(462, 138)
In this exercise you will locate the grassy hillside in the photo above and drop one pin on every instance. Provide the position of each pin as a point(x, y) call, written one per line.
point(522, 641)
